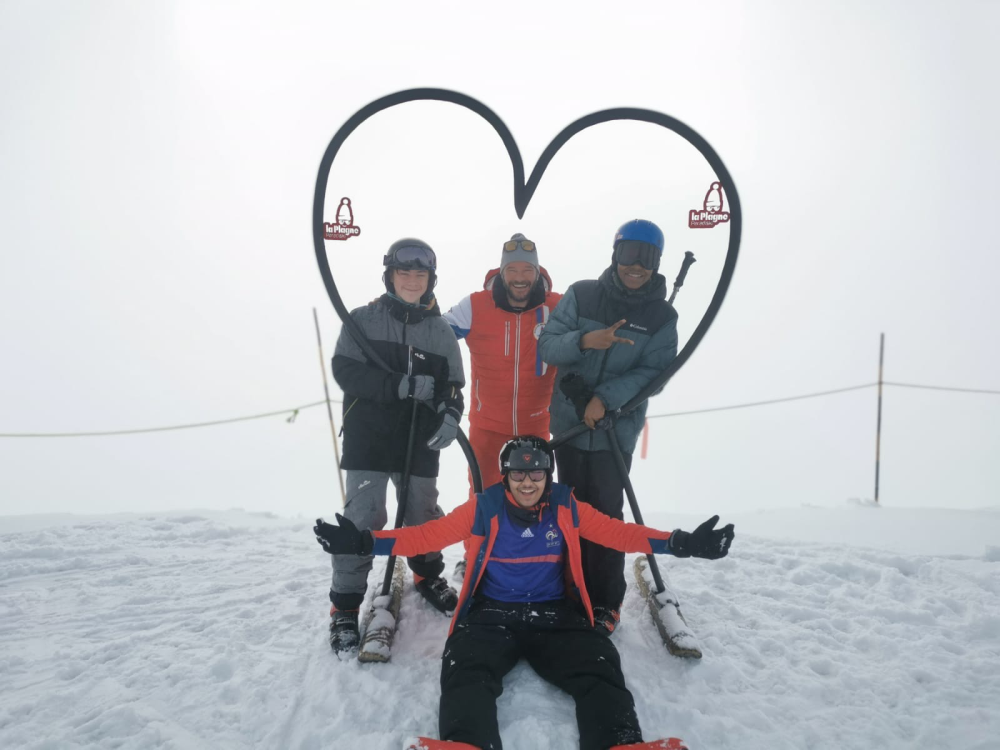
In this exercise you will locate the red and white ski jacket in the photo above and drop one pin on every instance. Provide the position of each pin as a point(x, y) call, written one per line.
point(511, 385)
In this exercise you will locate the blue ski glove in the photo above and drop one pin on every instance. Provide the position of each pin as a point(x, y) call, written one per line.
point(447, 430)
point(706, 541)
point(344, 539)
point(420, 387)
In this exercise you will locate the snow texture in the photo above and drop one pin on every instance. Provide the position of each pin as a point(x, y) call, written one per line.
point(851, 627)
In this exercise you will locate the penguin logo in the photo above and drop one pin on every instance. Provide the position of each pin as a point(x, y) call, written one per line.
point(713, 198)
point(345, 215)
point(711, 213)
point(343, 228)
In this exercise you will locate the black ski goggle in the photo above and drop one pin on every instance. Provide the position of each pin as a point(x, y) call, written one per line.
point(516, 475)
point(412, 255)
point(630, 252)
point(527, 245)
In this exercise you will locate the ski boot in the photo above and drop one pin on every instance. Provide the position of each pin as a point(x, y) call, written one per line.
point(426, 743)
point(344, 634)
point(671, 743)
point(458, 574)
point(606, 620)
point(437, 592)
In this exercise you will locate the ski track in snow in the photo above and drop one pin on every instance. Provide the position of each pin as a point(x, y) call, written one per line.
point(208, 630)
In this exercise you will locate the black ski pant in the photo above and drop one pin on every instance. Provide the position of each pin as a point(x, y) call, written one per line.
point(558, 642)
point(595, 480)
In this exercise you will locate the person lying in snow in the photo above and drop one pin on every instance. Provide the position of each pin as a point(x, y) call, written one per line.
point(524, 596)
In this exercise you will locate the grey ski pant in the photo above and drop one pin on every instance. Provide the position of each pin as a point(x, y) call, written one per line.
point(366, 508)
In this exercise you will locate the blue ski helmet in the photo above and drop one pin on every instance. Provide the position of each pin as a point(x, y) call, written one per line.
point(644, 232)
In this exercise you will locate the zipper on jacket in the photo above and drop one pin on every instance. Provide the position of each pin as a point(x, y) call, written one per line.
point(517, 367)
point(479, 401)
point(506, 338)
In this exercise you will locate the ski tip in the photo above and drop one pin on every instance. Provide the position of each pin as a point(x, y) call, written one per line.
point(426, 743)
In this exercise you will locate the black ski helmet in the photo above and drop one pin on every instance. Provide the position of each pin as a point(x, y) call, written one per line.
point(526, 453)
point(410, 254)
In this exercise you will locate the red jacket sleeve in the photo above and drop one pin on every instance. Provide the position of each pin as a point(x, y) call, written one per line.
point(624, 537)
point(432, 536)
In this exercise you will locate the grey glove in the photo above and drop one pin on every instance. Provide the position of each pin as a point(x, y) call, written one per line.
point(421, 387)
point(447, 430)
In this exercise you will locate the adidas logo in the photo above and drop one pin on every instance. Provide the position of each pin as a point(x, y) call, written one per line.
point(526, 534)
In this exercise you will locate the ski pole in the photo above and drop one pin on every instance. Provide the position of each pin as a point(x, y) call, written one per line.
point(633, 503)
point(329, 412)
point(679, 281)
point(401, 494)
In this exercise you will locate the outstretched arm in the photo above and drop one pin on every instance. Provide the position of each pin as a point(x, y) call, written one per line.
point(347, 539)
point(705, 541)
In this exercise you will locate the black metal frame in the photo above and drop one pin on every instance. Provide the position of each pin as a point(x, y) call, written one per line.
point(523, 192)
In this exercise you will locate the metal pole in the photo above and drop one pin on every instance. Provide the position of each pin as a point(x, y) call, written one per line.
point(402, 493)
point(329, 411)
point(616, 451)
point(878, 427)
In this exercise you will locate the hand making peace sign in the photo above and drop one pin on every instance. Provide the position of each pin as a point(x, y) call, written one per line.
point(604, 338)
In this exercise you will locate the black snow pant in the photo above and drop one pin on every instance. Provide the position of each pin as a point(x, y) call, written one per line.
point(595, 480)
point(560, 645)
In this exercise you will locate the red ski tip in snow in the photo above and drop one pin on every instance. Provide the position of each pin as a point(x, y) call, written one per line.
point(426, 743)
point(671, 743)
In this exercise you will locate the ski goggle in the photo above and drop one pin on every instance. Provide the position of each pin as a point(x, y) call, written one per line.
point(527, 245)
point(630, 252)
point(516, 475)
point(412, 255)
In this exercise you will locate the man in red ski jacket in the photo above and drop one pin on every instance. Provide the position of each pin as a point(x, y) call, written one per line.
point(511, 385)
point(525, 597)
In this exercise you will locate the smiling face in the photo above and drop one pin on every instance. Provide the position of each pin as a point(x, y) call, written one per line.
point(633, 276)
point(518, 278)
point(410, 285)
point(528, 491)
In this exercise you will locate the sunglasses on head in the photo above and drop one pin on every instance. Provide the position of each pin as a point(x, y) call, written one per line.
point(630, 252)
point(536, 475)
point(422, 256)
point(527, 245)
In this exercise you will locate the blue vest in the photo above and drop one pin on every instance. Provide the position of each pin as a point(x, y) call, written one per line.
point(526, 564)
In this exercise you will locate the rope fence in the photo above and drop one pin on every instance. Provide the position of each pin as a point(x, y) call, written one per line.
point(293, 411)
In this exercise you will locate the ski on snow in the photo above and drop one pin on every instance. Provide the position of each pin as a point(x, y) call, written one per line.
point(426, 743)
point(666, 612)
point(379, 626)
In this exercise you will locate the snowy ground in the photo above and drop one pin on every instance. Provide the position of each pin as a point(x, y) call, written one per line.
point(854, 627)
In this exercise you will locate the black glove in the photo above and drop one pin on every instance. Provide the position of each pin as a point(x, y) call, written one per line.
point(574, 387)
point(344, 539)
point(421, 387)
point(447, 429)
point(705, 541)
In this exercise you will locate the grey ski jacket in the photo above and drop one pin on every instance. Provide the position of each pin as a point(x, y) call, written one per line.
point(376, 422)
point(616, 374)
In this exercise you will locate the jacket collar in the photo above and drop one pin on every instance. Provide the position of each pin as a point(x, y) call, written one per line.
point(494, 284)
point(652, 290)
point(410, 313)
